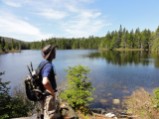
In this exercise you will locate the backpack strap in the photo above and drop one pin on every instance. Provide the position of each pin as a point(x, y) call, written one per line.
point(41, 66)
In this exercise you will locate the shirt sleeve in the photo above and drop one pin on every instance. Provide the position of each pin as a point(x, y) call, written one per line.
point(46, 70)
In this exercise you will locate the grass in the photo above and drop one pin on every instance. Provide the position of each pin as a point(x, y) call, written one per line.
point(141, 104)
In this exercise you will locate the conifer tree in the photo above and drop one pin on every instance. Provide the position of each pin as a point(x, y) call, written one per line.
point(79, 90)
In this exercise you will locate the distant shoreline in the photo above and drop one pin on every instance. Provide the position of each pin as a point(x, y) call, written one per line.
point(122, 49)
point(11, 51)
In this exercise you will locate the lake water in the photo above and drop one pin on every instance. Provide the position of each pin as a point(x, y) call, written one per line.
point(113, 74)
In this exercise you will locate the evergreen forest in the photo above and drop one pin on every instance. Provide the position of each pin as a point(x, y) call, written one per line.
point(120, 39)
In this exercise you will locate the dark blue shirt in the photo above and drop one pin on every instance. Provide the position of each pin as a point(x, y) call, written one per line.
point(48, 71)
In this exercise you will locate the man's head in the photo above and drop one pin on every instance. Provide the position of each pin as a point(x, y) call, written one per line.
point(49, 52)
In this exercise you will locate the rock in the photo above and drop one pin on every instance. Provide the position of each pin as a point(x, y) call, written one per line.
point(116, 101)
point(103, 101)
point(111, 115)
point(109, 94)
point(98, 110)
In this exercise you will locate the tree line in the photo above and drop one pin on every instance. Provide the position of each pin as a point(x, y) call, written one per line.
point(11, 45)
point(135, 39)
point(118, 39)
point(69, 43)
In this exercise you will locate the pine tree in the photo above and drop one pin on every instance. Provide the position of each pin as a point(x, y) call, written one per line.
point(79, 91)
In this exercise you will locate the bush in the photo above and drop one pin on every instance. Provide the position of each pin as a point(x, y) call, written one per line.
point(156, 93)
point(141, 104)
point(4, 99)
point(21, 103)
point(78, 92)
point(11, 107)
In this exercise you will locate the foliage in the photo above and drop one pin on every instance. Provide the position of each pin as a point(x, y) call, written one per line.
point(141, 104)
point(117, 39)
point(12, 45)
point(156, 93)
point(11, 107)
point(4, 98)
point(155, 45)
point(78, 92)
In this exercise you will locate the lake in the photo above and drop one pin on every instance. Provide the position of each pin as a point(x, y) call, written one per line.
point(114, 75)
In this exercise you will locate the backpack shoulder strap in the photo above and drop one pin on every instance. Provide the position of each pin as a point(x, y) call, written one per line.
point(41, 66)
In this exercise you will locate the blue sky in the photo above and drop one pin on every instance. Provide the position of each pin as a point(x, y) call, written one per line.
point(34, 20)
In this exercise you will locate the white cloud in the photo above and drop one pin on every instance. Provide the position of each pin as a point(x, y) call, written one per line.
point(52, 14)
point(85, 23)
point(75, 21)
point(12, 26)
point(72, 8)
point(62, 18)
point(11, 3)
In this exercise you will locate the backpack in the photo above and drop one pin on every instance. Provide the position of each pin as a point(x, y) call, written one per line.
point(33, 83)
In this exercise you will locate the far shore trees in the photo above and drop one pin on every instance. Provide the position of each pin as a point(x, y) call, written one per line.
point(122, 39)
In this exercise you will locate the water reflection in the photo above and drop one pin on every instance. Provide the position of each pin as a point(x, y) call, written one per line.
point(123, 57)
point(122, 73)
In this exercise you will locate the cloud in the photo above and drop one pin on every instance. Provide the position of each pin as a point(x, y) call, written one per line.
point(52, 14)
point(85, 23)
point(10, 25)
point(11, 3)
point(37, 20)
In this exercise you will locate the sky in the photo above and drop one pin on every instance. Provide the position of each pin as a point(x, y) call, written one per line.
point(35, 20)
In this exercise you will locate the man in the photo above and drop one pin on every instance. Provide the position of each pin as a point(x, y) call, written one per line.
point(48, 82)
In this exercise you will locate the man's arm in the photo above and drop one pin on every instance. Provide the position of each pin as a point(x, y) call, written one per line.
point(48, 86)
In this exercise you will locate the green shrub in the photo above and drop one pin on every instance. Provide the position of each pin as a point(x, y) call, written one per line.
point(78, 92)
point(156, 96)
point(12, 106)
point(4, 99)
